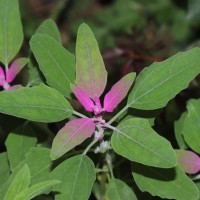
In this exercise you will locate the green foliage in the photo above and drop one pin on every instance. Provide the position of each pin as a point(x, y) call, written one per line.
point(40, 103)
point(4, 169)
point(135, 137)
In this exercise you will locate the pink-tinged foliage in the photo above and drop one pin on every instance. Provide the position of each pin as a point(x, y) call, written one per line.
point(72, 134)
point(15, 68)
point(14, 87)
point(118, 92)
point(83, 98)
point(97, 108)
point(2, 77)
point(189, 161)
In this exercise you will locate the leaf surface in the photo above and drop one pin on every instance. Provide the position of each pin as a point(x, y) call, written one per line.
point(55, 62)
point(77, 175)
point(136, 140)
point(118, 190)
point(11, 35)
point(91, 75)
point(118, 92)
point(161, 81)
point(4, 169)
point(19, 183)
point(72, 134)
point(18, 144)
point(40, 103)
point(165, 183)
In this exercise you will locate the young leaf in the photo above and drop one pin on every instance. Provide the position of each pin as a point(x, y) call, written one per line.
point(11, 35)
point(18, 144)
point(15, 68)
point(178, 129)
point(36, 190)
point(91, 75)
point(83, 98)
point(50, 28)
point(19, 183)
point(40, 103)
point(137, 141)
point(118, 190)
point(118, 92)
point(191, 129)
point(55, 62)
point(161, 81)
point(77, 175)
point(72, 134)
point(39, 162)
point(2, 76)
point(189, 161)
point(4, 169)
point(165, 183)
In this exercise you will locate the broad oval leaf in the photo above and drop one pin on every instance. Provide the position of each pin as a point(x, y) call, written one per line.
point(189, 161)
point(36, 190)
point(161, 81)
point(118, 92)
point(15, 68)
point(77, 175)
point(91, 74)
point(18, 144)
point(50, 28)
point(136, 140)
point(39, 162)
point(72, 134)
point(118, 190)
point(40, 103)
point(19, 183)
point(191, 129)
point(55, 62)
point(11, 35)
point(165, 183)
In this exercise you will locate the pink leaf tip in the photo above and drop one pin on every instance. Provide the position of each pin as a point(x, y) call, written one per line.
point(83, 98)
point(2, 77)
point(189, 161)
point(118, 92)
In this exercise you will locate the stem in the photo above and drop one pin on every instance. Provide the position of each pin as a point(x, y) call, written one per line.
point(109, 162)
point(90, 145)
point(79, 114)
point(118, 114)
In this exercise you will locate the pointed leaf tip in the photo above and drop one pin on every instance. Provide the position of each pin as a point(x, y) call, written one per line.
point(72, 134)
point(118, 92)
point(83, 98)
point(189, 161)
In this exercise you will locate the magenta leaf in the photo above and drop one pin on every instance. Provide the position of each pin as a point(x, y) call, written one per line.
point(118, 92)
point(15, 68)
point(2, 77)
point(189, 161)
point(72, 134)
point(83, 98)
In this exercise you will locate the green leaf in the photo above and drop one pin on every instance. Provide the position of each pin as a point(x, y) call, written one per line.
point(91, 75)
point(193, 11)
point(55, 62)
point(118, 190)
point(50, 28)
point(191, 129)
point(136, 140)
point(161, 81)
point(11, 35)
point(36, 190)
point(178, 128)
point(19, 183)
point(4, 168)
point(39, 162)
point(18, 144)
point(77, 175)
point(40, 103)
point(165, 183)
